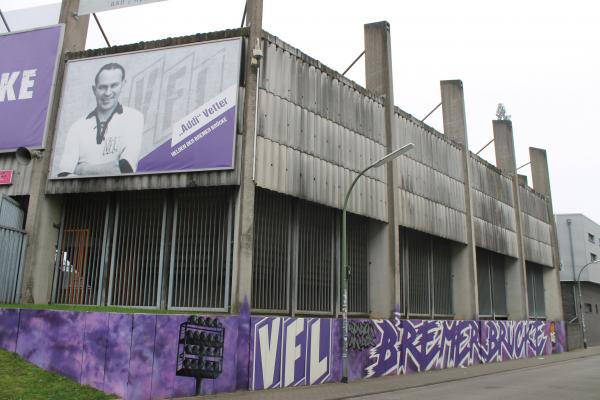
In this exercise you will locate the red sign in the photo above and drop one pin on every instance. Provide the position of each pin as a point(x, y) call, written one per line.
point(6, 176)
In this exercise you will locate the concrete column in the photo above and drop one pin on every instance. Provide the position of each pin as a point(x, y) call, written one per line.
point(540, 175)
point(516, 281)
point(244, 233)
point(43, 215)
point(464, 262)
point(378, 70)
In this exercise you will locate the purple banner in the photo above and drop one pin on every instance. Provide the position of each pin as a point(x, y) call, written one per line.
point(27, 69)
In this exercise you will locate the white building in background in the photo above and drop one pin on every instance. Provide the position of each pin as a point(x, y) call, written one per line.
point(579, 244)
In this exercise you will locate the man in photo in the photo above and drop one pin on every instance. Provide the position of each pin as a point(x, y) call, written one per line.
point(107, 141)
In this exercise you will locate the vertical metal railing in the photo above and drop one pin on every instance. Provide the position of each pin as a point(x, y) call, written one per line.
point(535, 290)
point(138, 241)
point(200, 250)
point(427, 273)
point(79, 267)
point(271, 256)
point(358, 260)
point(12, 246)
point(316, 230)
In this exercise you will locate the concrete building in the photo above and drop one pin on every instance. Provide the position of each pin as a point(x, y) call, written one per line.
point(439, 233)
point(579, 244)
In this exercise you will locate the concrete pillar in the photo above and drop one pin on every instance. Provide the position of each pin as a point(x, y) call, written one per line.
point(43, 215)
point(515, 272)
point(381, 276)
point(464, 263)
point(378, 70)
point(244, 233)
point(540, 175)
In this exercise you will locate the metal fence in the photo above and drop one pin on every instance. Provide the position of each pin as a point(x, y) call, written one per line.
point(426, 275)
point(137, 250)
point(12, 252)
point(128, 249)
point(535, 290)
point(491, 285)
point(296, 257)
point(200, 250)
point(80, 256)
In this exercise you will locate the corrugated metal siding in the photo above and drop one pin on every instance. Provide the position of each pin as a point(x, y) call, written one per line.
point(11, 214)
point(21, 175)
point(536, 228)
point(316, 132)
point(494, 215)
point(432, 197)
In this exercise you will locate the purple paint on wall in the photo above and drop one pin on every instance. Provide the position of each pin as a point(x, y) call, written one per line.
point(242, 348)
point(119, 348)
point(384, 358)
point(94, 349)
point(141, 358)
point(27, 64)
point(502, 340)
point(559, 337)
point(431, 345)
point(226, 382)
point(538, 343)
point(9, 328)
point(52, 340)
point(164, 381)
point(210, 152)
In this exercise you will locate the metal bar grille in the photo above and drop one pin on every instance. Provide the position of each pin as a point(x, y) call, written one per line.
point(200, 247)
point(11, 254)
point(499, 286)
point(484, 284)
point(271, 261)
point(417, 246)
point(78, 270)
point(428, 275)
point(442, 277)
point(316, 232)
point(535, 290)
point(138, 237)
point(358, 260)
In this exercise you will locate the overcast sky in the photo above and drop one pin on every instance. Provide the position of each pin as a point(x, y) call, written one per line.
point(540, 58)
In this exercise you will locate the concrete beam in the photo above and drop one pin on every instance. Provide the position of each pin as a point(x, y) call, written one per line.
point(379, 80)
point(244, 226)
point(516, 278)
point(540, 175)
point(464, 264)
point(43, 215)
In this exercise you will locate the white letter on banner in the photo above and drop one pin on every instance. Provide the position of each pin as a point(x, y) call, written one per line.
point(292, 352)
point(317, 367)
point(268, 351)
point(26, 84)
point(7, 81)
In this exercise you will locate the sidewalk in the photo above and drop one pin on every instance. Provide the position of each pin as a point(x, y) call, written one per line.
point(365, 387)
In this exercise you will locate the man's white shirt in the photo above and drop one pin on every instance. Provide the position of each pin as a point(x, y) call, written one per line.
point(122, 141)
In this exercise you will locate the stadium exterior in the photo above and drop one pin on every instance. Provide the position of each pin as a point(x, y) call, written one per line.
point(439, 234)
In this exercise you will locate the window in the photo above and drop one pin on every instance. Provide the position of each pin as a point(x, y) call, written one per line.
point(591, 238)
point(427, 275)
point(588, 307)
point(535, 290)
point(491, 284)
point(593, 257)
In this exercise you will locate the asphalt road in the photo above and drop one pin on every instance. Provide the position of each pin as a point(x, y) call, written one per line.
point(577, 379)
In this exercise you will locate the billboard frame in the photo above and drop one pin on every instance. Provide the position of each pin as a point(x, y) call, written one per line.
point(53, 85)
point(239, 80)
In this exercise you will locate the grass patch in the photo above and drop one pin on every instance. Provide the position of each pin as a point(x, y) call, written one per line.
point(111, 309)
point(22, 380)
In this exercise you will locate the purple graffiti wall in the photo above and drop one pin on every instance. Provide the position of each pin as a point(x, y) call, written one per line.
point(135, 355)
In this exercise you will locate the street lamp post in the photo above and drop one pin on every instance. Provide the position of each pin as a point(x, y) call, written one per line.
point(581, 310)
point(344, 265)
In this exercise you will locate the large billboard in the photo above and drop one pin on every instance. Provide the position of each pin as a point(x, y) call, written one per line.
point(146, 112)
point(28, 63)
